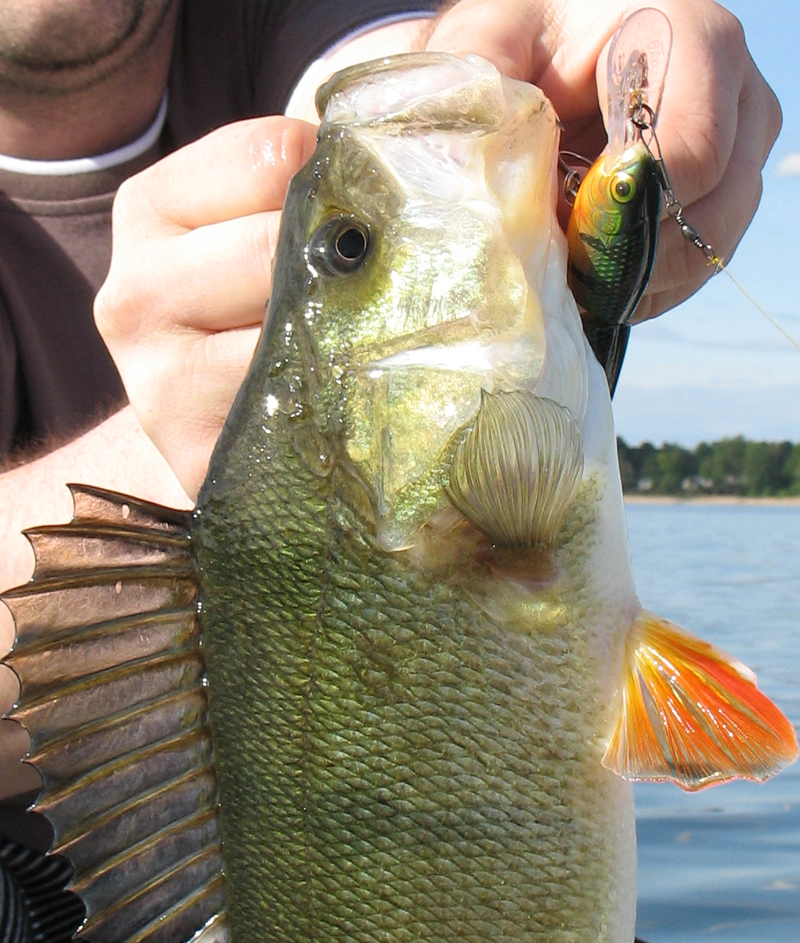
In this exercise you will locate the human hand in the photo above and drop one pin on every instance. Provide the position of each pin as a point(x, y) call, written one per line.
point(190, 275)
point(717, 123)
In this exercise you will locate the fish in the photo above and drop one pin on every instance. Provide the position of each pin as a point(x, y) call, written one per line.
point(390, 679)
point(612, 232)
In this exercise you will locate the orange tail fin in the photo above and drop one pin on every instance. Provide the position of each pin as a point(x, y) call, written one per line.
point(692, 714)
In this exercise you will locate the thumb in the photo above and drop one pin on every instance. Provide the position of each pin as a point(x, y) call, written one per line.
point(506, 32)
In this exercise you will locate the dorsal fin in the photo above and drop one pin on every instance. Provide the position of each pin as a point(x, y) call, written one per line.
point(111, 693)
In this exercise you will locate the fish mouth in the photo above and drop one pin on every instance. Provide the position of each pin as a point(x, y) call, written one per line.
point(450, 345)
point(501, 362)
point(477, 340)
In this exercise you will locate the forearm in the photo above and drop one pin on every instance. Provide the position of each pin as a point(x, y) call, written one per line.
point(116, 455)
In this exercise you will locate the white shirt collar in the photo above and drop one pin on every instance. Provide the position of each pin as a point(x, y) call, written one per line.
point(87, 165)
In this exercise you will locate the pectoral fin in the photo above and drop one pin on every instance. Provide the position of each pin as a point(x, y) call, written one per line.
point(692, 714)
point(111, 680)
point(515, 474)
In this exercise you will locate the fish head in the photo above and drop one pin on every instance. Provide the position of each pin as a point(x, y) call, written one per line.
point(422, 263)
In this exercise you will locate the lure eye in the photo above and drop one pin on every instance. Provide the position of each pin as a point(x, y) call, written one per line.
point(623, 187)
point(341, 245)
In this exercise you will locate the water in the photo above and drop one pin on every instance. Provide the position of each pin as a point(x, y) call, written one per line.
point(724, 864)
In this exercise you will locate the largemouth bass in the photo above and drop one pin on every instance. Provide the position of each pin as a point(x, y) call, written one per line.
point(390, 680)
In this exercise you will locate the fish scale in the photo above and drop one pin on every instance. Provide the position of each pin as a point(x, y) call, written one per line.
point(410, 781)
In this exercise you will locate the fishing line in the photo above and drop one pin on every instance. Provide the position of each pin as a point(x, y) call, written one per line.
point(690, 233)
point(755, 304)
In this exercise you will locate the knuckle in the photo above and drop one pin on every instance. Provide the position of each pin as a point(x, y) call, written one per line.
point(113, 310)
point(123, 304)
point(126, 201)
point(773, 117)
point(733, 32)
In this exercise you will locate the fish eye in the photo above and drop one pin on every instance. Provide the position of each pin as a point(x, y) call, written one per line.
point(351, 244)
point(341, 245)
point(623, 187)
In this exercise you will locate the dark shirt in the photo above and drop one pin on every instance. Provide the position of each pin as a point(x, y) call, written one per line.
point(233, 59)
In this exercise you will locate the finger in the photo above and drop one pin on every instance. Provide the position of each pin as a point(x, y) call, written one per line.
point(503, 31)
point(681, 267)
point(554, 47)
point(557, 45)
point(712, 88)
point(231, 274)
point(183, 410)
point(15, 745)
point(236, 280)
point(208, 279)
point(237, 170)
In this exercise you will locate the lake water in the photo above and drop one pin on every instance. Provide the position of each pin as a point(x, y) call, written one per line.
point(724, 864)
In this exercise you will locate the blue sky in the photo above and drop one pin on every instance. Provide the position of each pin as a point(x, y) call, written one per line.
point(715, 367)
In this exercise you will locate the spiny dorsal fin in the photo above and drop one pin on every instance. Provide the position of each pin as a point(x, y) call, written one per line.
point(692, 714)
point(516, 472)
point(111, 683)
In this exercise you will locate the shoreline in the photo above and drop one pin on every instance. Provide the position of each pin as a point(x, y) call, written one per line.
point(724, 500)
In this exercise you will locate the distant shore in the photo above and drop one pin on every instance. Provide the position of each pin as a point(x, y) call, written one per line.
point(721, 499)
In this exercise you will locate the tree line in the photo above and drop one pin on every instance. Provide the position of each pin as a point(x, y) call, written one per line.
point(731, 466)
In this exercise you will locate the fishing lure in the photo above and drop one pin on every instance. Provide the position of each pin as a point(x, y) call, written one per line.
point(616, 206)
point(613, 227)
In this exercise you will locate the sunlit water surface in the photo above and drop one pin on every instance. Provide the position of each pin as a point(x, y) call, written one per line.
point(724, 864)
